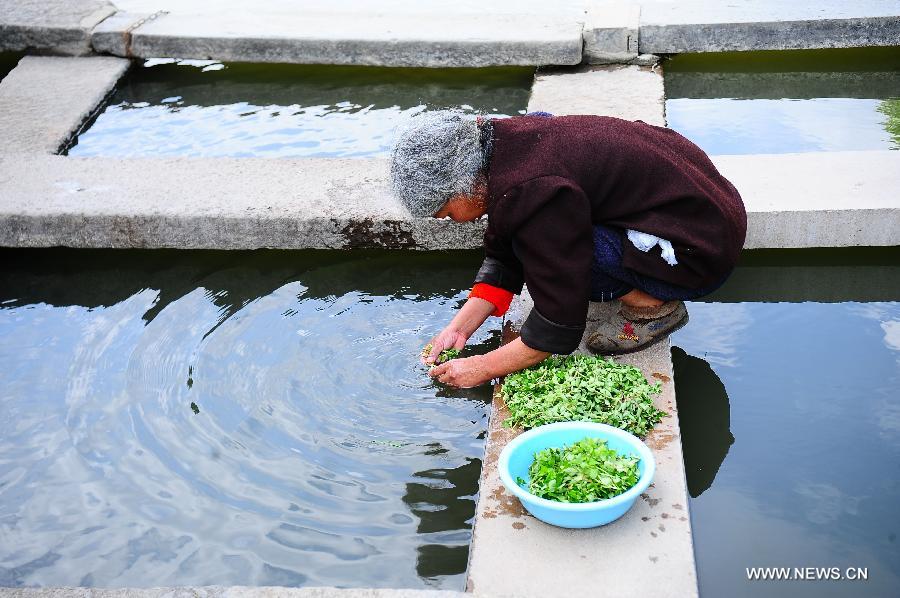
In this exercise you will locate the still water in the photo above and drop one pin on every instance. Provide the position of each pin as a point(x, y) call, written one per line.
point(779, 102)
point(197, 108)
point(233, 418)
point(790, 421)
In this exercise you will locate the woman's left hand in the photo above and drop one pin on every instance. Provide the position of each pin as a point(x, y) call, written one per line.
point(462, 373)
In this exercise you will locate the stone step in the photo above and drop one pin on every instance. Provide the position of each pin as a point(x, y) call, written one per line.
point(44, 100)
point(648, 552)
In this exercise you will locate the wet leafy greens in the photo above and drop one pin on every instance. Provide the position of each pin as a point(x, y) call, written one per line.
point(581, 388)
point(584, 472)
point(444, 356)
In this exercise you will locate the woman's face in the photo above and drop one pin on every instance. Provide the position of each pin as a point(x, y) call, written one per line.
point(462, 208)
point(466, 207)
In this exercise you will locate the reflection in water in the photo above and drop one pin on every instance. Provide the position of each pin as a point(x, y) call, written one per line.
point(444, 501)
point(244, 110)
point(233, 418)
point(704, 416)
point(777, 102)
point(813, 479)
point(891, 110)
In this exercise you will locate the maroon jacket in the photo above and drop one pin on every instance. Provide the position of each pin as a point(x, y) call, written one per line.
point(551, 179)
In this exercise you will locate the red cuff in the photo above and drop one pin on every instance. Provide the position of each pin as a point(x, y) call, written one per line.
point(501, 298)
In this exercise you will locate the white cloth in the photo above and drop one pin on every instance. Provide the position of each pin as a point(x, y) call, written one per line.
point(645, 242)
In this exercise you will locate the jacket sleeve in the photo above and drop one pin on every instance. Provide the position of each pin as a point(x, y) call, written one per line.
point(500, 298)
point(554, 243)
point(501, 268)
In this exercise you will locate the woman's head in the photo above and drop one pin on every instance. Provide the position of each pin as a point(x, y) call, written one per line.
point(437, 156)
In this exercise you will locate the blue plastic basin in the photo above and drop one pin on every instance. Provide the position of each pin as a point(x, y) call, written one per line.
point(518, 455)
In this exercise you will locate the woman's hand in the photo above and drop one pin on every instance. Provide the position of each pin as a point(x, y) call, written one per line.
point(464, 324)
point(448, 338)
point(462, 373)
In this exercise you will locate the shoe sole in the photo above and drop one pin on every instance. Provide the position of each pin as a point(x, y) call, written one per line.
point(678, 326)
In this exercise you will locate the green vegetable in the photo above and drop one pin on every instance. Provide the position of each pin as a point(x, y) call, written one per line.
point(584, 472)
point(581, 388)
point(444, 356)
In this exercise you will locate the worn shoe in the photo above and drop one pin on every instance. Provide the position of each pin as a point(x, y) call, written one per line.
point(636, 328)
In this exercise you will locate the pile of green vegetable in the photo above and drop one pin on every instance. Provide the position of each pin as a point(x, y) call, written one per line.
point(582, 388)
point(586, 471)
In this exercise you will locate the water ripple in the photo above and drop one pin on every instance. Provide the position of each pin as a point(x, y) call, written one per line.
point(320, 452)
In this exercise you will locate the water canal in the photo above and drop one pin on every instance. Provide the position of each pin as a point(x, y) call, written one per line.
point(787, 381)
point(259, 418)
point(779, 102)
point(196, 108)
point(217, 418)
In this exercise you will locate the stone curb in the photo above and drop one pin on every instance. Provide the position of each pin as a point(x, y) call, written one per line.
point(783, 35)
point(45, 100)
point(376, 40)
point(610, 31)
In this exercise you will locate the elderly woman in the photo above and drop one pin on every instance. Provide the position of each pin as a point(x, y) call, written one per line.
point(579, 208)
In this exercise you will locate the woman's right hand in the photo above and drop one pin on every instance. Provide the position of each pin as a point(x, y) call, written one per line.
point(448, 338)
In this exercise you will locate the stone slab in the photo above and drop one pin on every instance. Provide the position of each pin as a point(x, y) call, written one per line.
point(363, 39)
point(345, 8)
point(648, 552)
point(212, 203)
point(699, 26)
point(55, 26)
point(44, 100)
point(611, 32)
point(793, 200)
point(827, 199)
point(223, 592)
point(630, 92)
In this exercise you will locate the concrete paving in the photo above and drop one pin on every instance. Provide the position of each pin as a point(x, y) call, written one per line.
point(827, 199)
point(702, 26)
point(437, 40)
point(55, 26)
point(44, 100)
point(648, 552)
point(793, 200)
point(630, 92)
point(223, 592)
point(212, 203)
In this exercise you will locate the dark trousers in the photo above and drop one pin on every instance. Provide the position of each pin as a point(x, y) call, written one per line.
point(610, 279)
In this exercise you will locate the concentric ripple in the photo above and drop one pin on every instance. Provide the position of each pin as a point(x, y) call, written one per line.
point(257, 419)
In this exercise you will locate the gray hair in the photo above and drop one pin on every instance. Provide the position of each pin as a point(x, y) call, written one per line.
point(436, 155)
